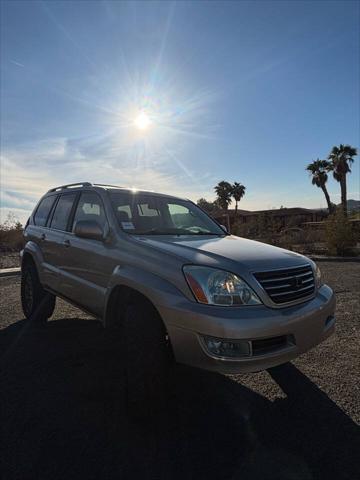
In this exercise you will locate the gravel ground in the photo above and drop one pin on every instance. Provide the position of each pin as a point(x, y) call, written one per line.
point(64, 413)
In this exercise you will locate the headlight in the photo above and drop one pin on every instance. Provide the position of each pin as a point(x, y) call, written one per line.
point(317, 273)
point(217, 287)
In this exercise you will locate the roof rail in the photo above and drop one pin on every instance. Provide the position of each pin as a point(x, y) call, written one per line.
point(70, 185)
point(106, 185)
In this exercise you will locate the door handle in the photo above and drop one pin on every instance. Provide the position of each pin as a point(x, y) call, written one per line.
point(66, 243)
point(43, 236)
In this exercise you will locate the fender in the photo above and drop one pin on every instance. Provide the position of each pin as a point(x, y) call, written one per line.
point(34, 251)
point(157, 290)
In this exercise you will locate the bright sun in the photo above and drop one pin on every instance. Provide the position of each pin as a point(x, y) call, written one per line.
point(142, 121)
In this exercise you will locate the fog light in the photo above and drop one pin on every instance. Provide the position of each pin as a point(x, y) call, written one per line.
point(225, 348)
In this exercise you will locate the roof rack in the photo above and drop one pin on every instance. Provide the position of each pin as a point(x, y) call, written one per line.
point(70, 185)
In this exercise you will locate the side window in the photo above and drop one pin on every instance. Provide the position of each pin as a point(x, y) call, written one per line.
point(90, 207)
point(43, 210)
point(62, 211)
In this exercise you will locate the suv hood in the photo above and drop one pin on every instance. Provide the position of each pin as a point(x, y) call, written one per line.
point(222, 252)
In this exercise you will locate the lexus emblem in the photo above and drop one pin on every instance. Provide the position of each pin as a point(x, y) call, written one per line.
point(297, 282)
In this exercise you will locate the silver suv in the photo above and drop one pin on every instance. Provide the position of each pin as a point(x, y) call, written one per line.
point(172, 281)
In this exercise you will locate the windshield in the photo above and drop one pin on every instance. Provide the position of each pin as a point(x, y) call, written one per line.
point(147, 214)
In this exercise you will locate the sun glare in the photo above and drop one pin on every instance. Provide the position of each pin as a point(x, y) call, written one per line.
point(142, 121)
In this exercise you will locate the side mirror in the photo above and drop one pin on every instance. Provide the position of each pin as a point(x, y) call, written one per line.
point(89, 229)
point(224, 228)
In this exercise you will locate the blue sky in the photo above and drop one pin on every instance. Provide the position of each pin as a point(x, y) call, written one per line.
point(241, 91)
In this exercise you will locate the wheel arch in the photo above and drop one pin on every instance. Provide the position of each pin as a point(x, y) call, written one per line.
point(119, 297)
point(131, 281)
point(27, 258)
point(32, 253)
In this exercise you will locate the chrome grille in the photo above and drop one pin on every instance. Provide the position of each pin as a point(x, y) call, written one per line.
point(289, 284)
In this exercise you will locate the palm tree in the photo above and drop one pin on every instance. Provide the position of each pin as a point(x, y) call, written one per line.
point(341, 157)
point(223, 191)
point(238, 191)
point(318, 170)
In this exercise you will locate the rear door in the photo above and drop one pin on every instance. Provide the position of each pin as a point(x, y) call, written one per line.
point(87, 263)
point(38, 231)
point(54, 237)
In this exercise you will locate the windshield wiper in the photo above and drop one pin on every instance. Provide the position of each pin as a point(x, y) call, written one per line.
point(156, 231)
point(175, 231)
point(207, 233)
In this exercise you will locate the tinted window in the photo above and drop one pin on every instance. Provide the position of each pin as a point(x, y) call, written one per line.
point(62, 211)
point(90, 207)
point(43, 210)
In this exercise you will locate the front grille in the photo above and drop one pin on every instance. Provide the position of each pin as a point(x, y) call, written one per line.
point(287, 285)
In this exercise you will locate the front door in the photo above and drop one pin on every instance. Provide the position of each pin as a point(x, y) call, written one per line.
point(87, 263)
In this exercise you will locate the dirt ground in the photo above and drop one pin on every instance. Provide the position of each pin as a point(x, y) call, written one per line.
point(64, 415)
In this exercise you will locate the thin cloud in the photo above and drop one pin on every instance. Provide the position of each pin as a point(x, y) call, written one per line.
point(18, 64)
point(22, 185)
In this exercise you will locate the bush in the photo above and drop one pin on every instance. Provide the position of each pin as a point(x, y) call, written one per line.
point(337, 236)
point(264, 226)
point(340, 237)
point(11, 234)
point(243, 230)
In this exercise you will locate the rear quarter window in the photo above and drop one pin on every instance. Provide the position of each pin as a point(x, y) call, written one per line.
point(43, 210)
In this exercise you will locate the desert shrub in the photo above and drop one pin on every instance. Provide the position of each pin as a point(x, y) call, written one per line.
point(247, 230)
point(335, 236)
point(263, 226)
point(293, 235)
point(300, 240)
point(11, 238)
point(340, 237)
point(315, 236)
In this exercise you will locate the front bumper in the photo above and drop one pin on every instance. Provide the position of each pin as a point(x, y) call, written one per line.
point(307, 324)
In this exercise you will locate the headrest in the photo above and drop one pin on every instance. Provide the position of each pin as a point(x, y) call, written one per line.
point(122, 216)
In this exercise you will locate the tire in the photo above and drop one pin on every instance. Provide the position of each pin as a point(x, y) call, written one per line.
point(148, 359)
point(37, 304)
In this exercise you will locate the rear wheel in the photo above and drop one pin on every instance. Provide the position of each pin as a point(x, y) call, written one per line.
point(37, 304)
point(148, 358)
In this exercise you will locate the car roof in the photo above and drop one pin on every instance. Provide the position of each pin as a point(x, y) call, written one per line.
point(110, 188)
point(143, 192)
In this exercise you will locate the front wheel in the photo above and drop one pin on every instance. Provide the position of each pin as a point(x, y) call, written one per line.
point(37, 304)
point(148, 358)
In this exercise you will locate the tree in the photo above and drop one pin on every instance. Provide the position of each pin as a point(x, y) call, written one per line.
point(223, 191)
point(238, 191)
point(11, 222)
point(209, 207)
point(318, 171)
point(340, 159)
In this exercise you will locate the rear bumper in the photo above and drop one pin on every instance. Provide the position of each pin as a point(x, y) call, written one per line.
point(307, 324)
